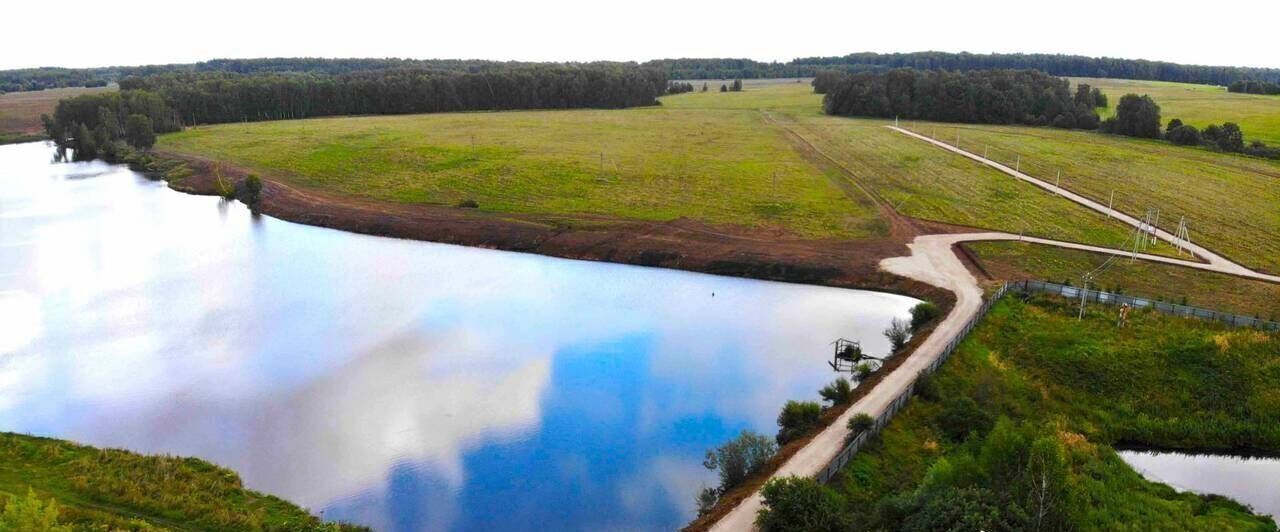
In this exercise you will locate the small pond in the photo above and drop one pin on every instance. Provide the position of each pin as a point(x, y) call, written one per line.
point(1251, 481)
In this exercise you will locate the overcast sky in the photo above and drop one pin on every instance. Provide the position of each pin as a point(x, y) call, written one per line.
point(79, 33)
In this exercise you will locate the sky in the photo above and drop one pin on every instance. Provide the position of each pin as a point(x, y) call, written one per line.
point(83, 33)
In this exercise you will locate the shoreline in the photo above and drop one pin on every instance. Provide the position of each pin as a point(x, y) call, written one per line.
point(680, 244)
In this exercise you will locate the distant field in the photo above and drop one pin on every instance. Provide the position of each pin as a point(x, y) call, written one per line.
point(20, 111)
point(1013, 260)
point(917, 179)
point(1201, 105)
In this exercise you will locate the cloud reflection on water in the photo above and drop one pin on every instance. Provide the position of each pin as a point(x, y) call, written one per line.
point(401, 384)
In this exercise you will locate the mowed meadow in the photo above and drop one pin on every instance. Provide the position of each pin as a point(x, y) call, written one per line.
point(20, 111)
point(719, 166)
point(762, 159)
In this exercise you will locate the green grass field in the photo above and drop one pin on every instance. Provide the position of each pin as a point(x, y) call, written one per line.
point(1081, 386)
point(20, 111)
point(720, 166)
point(118, 490)
point(1200, 105)
point(1229, 200)
point(1013, 260)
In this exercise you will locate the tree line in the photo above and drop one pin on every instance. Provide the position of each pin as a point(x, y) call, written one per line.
point(1055, 64)
point(1254, 87)
point(172, 100)
point(1139, 116)
point(981, 97)
point(34, 79)
point(682, 69)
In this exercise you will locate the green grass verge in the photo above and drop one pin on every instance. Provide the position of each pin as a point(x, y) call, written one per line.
point(1080, 387)
point(1016, 260)
point(719, 166)
point(1200, 105)
point(107, 489)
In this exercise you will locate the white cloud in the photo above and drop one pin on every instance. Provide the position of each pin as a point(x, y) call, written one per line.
point(86, 33)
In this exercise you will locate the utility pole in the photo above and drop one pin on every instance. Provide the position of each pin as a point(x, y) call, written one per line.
point(985, 150)
point(1017, 166)
point(957, 138)
point(1111, 202)
point(1058, 184)
point(1084, 295)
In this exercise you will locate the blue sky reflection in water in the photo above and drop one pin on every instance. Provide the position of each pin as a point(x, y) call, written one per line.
point(404, 385)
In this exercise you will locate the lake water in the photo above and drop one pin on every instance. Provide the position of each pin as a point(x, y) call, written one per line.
point(1252, 481)
point(398, 384)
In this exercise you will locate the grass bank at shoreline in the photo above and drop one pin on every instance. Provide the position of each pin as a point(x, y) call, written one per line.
point(119, 490)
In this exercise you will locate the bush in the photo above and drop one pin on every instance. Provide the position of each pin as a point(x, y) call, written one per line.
point(797, 419)
point(860, 423)
point(1185, 135)
point(739, 458)
point(707, 499)
point(249, 190)
point(796, 504)
point(863, 371)
point(898, 333)
point(1231, 139)
point(922, 313)
point(30, 514)
point(468, 204)
point(961, 416)
point(1137, 116)
point(839, 392)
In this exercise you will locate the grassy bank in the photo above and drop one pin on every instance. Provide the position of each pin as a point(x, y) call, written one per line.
point(1033, 391)
point(1200, 105)
point(1015, 260)
point(118, 490)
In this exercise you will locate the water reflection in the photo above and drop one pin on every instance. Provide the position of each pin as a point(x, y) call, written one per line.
point(404, 385)
point(1252, 481)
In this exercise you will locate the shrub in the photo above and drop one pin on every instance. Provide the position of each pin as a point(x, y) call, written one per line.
point(860, 423)
point(22, 514)
point(898, 333)
point(961, 416)
point(839, 392)
point(1231, 139)
point(863, 371)
point(468, 204)
point(138, 131)
point(739, 458)
point(707, 498)
point(249, 190)
point(796, 504)
point(796, 419)
point(1137, 116)
point(1185, 135)
point(922, 313)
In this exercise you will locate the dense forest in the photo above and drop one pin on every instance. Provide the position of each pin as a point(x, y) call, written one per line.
point(683, 69)
point(94, 124)
point(1254, 87)
point(1055, 64)
point(978, 97)
point(30, 79)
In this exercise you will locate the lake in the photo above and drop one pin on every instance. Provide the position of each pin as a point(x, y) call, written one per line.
point(1252, 481)
point(398, 384)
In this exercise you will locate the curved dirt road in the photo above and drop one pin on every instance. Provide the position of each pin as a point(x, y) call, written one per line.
point(933, 261)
